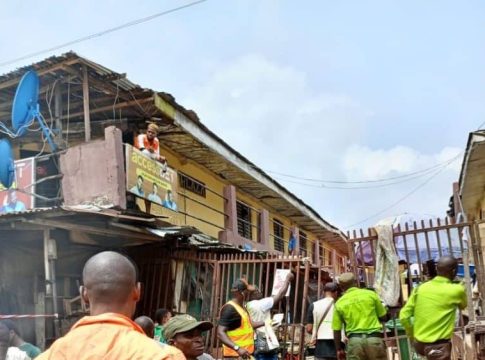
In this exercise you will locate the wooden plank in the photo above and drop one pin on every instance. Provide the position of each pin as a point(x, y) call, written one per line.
point(87, 118)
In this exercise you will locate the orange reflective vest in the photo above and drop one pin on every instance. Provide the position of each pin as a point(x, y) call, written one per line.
point(243, 336)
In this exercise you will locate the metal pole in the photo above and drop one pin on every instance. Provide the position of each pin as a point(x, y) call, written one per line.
point(87, 116)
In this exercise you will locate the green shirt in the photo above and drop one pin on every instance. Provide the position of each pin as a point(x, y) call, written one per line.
point(359, 310)
point(31, 350)
point(159, 335)
point(433, 305)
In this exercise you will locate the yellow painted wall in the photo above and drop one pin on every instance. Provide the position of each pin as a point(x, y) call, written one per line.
point(209, 221)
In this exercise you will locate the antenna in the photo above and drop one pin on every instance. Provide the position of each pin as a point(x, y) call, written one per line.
point(25, 108)
point(7, 167)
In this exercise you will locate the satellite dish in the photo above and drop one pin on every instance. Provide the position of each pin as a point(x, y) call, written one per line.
point(7, 166)
point(25, 103)
point(25, 108)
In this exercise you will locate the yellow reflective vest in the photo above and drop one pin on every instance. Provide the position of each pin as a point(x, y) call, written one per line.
point(243, 336)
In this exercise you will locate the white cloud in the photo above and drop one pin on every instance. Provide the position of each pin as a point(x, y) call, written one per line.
point(363, 163)
point(271, 114)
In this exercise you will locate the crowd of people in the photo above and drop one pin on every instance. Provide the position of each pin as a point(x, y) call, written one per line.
point(347, 323)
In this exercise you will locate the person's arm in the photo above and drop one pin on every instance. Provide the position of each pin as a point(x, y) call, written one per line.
point(221, 334)
point(337, 325)
point(463, 300)
point(281, 294)
point(139, 144)
point(337, 337)
point(406, 314)
point(256, 324)
point(309, 320)
point(380, 309)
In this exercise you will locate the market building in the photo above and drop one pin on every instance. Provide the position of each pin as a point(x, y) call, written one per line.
point(209, 216)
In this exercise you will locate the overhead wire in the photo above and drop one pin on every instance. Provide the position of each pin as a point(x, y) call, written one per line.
point(388, 179)
point(102, 33)
point(400, 200)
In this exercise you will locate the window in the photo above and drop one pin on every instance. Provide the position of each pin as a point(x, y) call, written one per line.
point(244, 216)
point(279, 235)
point(303, 243)
point(189, 183)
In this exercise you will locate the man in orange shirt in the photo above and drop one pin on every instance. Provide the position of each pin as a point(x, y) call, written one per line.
point(111, 290)
point(148, 143)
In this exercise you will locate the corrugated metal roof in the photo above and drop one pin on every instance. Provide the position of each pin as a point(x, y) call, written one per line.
point(255, 182)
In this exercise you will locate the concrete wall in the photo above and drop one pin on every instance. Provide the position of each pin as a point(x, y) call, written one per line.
point(93, 172)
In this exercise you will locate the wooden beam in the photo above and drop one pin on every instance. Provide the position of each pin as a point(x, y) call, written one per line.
point(87, 117)
point(109, 232)
point(110, 107)
point(40, 72)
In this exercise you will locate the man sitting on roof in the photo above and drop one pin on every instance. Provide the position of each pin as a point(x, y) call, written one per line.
point(148, 143)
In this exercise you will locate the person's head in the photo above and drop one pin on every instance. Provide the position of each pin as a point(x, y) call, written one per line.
point(4, 341)
point(240, 290)
point(255, 295)
point(347, 280)
point(110, 284)
point(139, 181)
point(155, 188)
point(185, 333)
point(14, 332)
point(147, 325)
point(162, 316)
point(331, 289)
point(152, 131)
point(169, 195)
point(447, 266)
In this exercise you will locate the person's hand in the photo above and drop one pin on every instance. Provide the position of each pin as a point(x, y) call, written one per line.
point(243, 353)
point(341, 354)
point(151, 150)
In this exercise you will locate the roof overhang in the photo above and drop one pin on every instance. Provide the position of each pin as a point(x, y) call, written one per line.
point(472, 176)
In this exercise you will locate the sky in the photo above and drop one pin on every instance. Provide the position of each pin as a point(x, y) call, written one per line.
point(327, 90)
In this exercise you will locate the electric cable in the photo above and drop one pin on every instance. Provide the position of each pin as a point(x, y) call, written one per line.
point(102, 33)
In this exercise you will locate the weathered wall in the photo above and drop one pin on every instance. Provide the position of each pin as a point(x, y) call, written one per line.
point(94, 171)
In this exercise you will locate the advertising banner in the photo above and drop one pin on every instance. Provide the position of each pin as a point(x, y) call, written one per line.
point(13, 200)
point(151, 180)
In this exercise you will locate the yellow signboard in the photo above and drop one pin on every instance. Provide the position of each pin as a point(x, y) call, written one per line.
point(151, 180)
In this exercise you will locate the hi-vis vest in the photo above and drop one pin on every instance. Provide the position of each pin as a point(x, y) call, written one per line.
point(243, 336)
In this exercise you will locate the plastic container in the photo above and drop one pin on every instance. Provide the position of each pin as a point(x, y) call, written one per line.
point(461, 270)
point(396, 328)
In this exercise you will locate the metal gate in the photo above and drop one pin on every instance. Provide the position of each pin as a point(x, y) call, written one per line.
point(198, 283)
point(417, 245)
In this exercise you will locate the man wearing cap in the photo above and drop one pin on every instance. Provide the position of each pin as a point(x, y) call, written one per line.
point(235, 328)
point(429, 315)
point(319, 323)
point(185, 333)
point(148, 143)
point(360, 311)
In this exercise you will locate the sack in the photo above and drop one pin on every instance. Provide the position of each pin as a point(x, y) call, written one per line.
point(261, 346)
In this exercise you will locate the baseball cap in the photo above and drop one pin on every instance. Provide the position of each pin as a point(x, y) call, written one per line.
point(346, 278)
point(183, 323)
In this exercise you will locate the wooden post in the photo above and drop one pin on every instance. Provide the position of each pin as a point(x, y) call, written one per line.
point(87, 119)
point(40, 322)
point(58, 108)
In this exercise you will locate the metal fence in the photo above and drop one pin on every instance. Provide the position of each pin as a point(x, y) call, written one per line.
point(199, 283)
point(418, 245)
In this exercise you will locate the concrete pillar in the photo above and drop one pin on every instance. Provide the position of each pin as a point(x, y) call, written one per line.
point(230, 209)
point(264, 227)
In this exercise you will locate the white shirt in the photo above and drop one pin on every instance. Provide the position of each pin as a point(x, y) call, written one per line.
point(260, 310)
point(14, 353)
point(325, 331)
